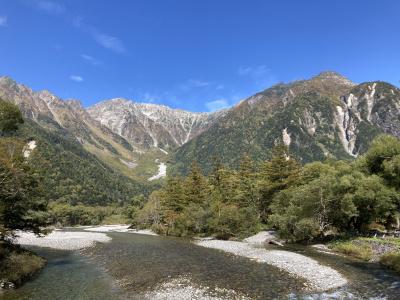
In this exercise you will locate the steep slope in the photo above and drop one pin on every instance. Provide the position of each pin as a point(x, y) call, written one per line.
point(70, 173)
point(55, 114)
point(151, 126)
point(326, 116)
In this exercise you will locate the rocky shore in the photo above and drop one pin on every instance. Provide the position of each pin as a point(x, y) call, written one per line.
point(62, 240)
point(319, 277)
point(183, 288)
point(119, 228)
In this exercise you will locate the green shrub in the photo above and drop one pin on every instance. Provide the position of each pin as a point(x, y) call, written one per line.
point(391, 260)
point(17, 264)
point(360, 251)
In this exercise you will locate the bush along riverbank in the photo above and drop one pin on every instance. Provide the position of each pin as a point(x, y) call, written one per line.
point(17, 265)
point(372, 249)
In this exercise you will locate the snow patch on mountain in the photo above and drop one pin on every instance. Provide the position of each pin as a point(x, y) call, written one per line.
point(162, 172)
point(29, 148)
point(286, 137)
point(370, 100)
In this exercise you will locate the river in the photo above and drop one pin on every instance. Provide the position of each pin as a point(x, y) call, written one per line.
point(132, 266)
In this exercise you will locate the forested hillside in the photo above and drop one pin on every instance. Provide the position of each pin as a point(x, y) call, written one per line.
point(78, 186)
point(327, 116)
point(303, 203)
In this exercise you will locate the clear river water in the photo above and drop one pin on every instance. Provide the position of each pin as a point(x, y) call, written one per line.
point(131, 265)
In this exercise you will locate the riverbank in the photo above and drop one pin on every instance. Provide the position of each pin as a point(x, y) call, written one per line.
point(183, 288)
point(75, 240)
point(118, 228)
point(319, 277)
point(62, 240)
point(383, 250)
point(17, 265)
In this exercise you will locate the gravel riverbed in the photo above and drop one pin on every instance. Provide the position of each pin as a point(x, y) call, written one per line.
point(319, 277)
point(62, 240)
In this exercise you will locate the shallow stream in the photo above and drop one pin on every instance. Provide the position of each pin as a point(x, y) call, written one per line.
point(133, 265)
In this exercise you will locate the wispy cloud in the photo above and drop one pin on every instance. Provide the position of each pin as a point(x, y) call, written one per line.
point(217, 104)
point(76, 78)
point(149, 97)
point(55, 8)
point(47, 6)
point(260, 75)
point(90, 60)
point(3, 20)
point(107, 41)
point(193, 83)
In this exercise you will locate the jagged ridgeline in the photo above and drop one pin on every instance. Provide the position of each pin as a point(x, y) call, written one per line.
point(327, 116)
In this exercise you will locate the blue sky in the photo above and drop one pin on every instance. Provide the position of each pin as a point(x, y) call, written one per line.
point(195, 55)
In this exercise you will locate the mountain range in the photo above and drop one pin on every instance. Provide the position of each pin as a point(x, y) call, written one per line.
point(327, 116)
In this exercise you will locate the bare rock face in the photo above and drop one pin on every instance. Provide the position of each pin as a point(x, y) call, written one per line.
point(150, 125)
point(325, 116)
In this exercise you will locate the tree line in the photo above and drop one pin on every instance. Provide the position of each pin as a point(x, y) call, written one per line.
point(22, 203)
point(302, 203)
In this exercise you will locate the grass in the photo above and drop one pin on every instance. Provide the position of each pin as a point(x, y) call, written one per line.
point(391, 260)
point(115, 219)
point(17, 264)
point(146, 165)
point(363, 252)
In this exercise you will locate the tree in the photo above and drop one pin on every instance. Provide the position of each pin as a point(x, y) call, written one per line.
point(10, 117)
point(279, 173)
point(196, 185)
point(22, 206)
point(383, 159)
point(247, 192)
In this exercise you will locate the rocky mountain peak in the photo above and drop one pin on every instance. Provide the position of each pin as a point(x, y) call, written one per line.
point(333, 77)
point(74, 104)
point(149, 125)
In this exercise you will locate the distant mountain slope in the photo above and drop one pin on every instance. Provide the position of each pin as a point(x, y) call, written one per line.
point(150, 125)
point(326, 116)
point(73, 175)
point(55, 114)
point(133, 138)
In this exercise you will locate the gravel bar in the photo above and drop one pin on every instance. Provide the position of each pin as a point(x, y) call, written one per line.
point(320, 277)
point(62, 240)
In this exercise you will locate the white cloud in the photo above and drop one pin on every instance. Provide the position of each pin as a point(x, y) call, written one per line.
point(49, 7)
point(90, 59)
point(3, 20)
point(76, 78)
point(193, 83)
point(109, 42)
point(217, 104)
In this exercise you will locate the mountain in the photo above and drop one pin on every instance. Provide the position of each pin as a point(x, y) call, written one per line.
point(150, 125)
point(133, 138)
point(69, 119)
point(325, 116)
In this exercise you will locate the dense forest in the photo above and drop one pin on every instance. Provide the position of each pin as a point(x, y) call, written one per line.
point(79, 187)
point(313, 201)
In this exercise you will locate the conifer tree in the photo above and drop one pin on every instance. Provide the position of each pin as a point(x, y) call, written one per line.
point(247, 191)
point(279, 173)
point(196, 185)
